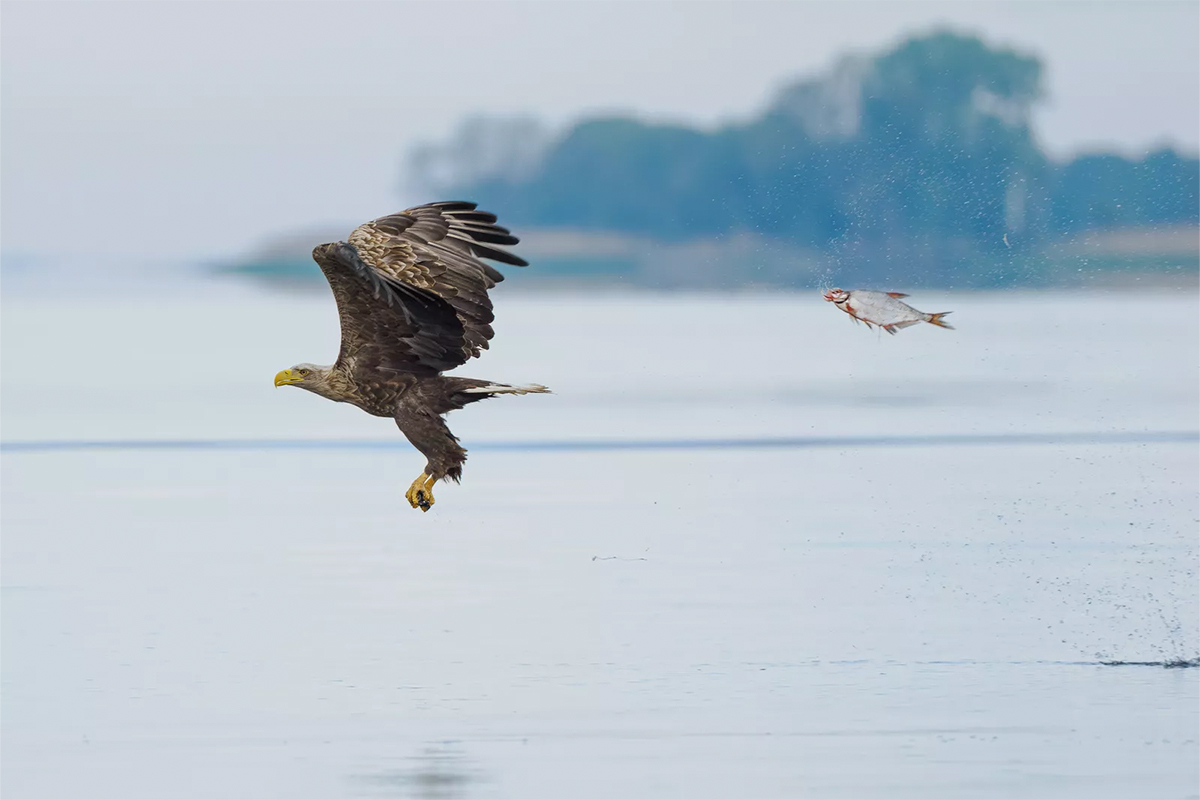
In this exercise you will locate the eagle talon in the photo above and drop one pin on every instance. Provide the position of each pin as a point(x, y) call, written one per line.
point(420, 494)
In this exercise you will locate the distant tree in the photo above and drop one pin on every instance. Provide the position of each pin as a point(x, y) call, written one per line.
point(945, 129)
point(924, 152)
point(480, 149)
point(1110, 191)
point(620, 174)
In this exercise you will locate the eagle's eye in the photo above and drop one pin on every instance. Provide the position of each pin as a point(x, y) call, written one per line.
point(303, 372)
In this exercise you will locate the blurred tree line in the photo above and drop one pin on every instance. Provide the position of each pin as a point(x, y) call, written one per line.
point(922, 154)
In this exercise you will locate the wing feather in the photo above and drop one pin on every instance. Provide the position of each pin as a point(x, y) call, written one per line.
point(411, 290)
point(387, 324)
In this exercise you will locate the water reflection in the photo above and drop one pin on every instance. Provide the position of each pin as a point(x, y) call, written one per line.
point(440, 772)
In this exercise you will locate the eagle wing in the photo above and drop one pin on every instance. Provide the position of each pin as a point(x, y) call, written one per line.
point(412, 290)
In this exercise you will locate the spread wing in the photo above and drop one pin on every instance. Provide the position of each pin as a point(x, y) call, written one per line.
point(412, 290)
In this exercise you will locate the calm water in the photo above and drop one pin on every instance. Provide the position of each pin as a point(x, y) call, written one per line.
point(917, 615)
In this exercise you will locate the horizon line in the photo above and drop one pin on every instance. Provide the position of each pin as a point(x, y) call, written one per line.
point(599, 445)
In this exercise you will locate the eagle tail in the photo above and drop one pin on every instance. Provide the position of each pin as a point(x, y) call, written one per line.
point(504, 388)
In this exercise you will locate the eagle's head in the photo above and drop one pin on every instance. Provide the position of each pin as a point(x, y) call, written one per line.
point(837, 295)
point(306, 376)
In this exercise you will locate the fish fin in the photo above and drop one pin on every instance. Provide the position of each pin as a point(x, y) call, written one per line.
point(897, 294)
point(902, 325)
point(936, 319)
point(889, 328)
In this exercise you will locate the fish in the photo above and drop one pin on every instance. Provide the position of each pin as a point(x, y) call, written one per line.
point(884, 309)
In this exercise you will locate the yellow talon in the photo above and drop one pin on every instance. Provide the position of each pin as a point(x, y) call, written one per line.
point(417, 485)
point(420, 494)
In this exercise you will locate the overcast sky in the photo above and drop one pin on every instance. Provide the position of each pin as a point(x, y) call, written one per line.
point(201, 129)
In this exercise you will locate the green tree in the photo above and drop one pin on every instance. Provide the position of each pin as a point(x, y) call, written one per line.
point(1110, 191)
point(945, 131)
point(921, 158)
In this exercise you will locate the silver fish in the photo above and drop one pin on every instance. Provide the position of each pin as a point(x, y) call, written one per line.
point(884, 309)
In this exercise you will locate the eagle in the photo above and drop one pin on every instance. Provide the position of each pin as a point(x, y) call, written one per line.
point(412, 298)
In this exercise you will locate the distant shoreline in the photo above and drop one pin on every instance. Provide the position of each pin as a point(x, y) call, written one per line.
point(1130, 258)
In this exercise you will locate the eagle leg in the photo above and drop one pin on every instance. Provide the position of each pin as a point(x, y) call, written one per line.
point(418, 419)
point(420, 494)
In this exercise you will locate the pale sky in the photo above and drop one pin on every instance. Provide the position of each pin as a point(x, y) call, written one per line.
point(198, 130)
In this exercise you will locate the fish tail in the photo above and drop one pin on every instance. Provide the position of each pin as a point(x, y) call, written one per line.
point(936, 319)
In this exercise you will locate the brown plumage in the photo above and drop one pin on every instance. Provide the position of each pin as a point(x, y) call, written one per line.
point(412, 298)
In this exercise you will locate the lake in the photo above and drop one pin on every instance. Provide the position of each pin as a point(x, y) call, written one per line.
point(747, 549)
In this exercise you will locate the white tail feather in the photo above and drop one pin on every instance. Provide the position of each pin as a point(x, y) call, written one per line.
point(500, 388)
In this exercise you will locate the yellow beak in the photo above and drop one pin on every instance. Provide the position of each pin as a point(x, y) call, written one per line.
point(286, 377)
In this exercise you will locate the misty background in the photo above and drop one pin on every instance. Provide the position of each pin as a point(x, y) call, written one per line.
point(667, 144)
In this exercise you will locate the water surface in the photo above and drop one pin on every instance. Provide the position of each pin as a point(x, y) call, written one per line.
point(894, 574)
